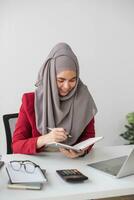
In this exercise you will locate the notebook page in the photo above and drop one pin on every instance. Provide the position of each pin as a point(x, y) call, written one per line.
point(87, 142)
point(78, 146)
point(22, 176)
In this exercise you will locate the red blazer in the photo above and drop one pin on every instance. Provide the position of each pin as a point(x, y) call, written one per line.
point(26, 134)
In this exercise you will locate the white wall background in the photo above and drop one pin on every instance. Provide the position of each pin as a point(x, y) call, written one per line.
point(100, 32)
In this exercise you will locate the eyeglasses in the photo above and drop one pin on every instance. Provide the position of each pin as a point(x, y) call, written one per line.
point(27, 165)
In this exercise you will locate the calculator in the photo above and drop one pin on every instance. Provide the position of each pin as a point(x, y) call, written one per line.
point(72, 175)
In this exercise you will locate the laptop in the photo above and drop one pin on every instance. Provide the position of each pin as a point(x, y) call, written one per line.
point(118, 167)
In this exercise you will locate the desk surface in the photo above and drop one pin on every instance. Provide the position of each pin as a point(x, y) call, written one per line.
point(99, 185)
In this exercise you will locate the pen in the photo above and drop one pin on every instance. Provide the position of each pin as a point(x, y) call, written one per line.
point(52, 129)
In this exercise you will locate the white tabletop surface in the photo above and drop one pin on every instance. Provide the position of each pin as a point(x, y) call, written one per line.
point(99, 185)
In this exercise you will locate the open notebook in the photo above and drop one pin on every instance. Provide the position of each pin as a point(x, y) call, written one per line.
point(22, 176)
point(78, 147)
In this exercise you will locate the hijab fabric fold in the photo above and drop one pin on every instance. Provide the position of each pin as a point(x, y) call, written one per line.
point(74, 111)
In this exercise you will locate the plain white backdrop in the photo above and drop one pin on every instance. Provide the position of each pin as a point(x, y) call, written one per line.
point(101, 33)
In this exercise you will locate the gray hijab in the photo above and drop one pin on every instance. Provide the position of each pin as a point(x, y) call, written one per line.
point(74, 111)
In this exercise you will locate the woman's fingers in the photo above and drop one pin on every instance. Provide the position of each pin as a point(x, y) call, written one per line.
point(70, 153)
point(59, 130)
point(74, 153)
point(58, 136)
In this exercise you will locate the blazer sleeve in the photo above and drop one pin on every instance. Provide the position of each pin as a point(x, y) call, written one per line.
point(23, 140)
point(89, 132)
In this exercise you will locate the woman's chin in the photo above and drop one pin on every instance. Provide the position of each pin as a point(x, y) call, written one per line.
point(63, 94)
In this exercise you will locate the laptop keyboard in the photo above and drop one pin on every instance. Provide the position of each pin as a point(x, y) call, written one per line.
point(111, 166)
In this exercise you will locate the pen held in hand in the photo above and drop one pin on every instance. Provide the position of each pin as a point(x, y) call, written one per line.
point(50, 129)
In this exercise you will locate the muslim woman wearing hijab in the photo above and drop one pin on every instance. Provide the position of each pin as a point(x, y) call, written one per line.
point(61, 102)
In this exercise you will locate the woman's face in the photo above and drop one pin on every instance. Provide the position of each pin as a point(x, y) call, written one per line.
point(66, 81)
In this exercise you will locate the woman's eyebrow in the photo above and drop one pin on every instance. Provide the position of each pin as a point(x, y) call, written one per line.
point(73, 77)
point(65, 79)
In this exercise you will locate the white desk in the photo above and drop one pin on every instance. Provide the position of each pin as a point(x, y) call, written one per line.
point(99, 185)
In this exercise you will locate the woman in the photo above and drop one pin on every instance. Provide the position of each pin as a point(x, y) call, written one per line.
point(60, 102)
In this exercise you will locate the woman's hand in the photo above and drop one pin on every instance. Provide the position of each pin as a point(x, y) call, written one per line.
point(56, 135)
point(72, 154)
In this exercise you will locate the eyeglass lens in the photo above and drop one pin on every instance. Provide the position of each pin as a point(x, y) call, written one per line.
point(16, 165)
point(29, 167)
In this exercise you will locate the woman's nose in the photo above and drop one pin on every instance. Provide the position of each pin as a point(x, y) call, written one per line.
point(66, 85)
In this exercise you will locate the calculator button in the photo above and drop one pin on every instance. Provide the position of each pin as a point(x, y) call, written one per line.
point(66, 172)
point(62, 173)
point(76, 171)
point(70, 172)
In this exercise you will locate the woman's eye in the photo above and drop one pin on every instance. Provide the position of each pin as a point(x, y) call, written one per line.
point(60, 81)
point(73, 80)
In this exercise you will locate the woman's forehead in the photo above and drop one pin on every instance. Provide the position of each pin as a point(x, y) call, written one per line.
point(66, 73)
